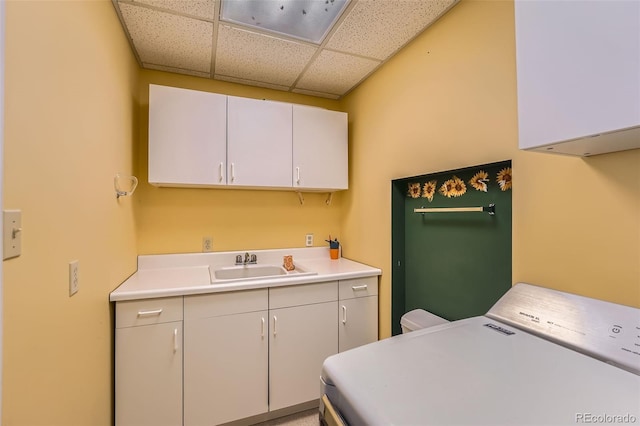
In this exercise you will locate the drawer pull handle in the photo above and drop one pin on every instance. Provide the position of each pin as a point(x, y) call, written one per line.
point(149, 313)
point(344, 314)
point(262, 329)
point(220, 175)
point(359, 287)
point(175, 340)
point(275, 325)
point(298, 175)
point(233, 172)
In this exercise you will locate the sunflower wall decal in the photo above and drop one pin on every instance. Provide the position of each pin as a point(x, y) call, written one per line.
point(446, 188)
point(428, 189)
point(479, 181)
point(414, 190)
point(459, 188)
point(504, 179)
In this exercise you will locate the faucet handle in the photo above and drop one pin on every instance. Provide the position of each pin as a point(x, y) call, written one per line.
point(254, 258)
point(238, 260)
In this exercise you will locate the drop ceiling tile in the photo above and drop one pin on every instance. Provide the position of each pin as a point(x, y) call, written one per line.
point(257, 57)
point(176, 70)
point(200, 8)
point(377, 29)
point(318, 94)
point(167, 39)
point(335, 73)
point(250, 82)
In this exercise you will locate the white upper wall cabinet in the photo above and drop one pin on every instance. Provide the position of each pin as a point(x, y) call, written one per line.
point(187, 137)
point(202, 139)
point(320, 149)
point(578, 69)
point(259, 143)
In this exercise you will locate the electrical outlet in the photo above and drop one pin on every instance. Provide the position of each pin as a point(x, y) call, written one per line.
point(308, 240)
point(207, 244)
point(74, 277)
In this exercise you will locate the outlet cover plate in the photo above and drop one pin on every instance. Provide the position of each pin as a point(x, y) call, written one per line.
point(207, 244)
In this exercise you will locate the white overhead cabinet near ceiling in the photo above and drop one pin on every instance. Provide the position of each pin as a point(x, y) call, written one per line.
point(578, 68)
point(320, 151)
point(258, 142)
point(187, 137)
point(202, 139)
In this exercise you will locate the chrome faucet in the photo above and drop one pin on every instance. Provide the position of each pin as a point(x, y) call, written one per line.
point(249, 259)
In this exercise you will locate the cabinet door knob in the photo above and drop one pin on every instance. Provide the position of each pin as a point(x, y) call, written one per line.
point(175, 340)
point(220, 172)
point(344, 314)
point(298, 175)
point(233, 172)
point(262, 329)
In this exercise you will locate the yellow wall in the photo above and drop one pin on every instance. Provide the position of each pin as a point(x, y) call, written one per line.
point(76, 113)
point(71, 87)
point(174, 220)
point(448, 100)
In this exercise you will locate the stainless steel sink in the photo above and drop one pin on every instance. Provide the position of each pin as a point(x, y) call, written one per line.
point(254, 272)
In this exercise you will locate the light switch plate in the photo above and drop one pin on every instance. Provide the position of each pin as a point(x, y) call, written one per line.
point(12, 233)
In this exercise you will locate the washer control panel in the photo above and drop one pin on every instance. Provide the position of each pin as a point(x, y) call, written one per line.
point(600, 329)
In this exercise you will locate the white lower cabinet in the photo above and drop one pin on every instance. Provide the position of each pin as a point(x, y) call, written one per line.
point(148, 362)
point(225, 356)
point(245, 352)
point(358, 321)
point(302, 334)
point(300, 340)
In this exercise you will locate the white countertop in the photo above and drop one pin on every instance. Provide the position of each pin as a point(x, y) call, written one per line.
point(167, 275)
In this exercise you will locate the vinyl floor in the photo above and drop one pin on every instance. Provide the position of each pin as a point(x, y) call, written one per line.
point(304, 418)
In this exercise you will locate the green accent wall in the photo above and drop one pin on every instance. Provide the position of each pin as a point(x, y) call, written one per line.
point(455, 265)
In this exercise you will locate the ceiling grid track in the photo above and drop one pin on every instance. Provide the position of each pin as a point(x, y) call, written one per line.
point(192, 38)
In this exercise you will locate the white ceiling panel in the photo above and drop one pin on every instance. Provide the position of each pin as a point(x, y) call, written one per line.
point(176, 70)
point(336, 73)
point(251, 82)
point(378, 28)
point(316, 94)
point(252, 56)
point(198, 8)
point(187, 37)
point(171, 40)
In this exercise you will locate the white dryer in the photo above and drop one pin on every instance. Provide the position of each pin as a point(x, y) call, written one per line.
point(538, 357)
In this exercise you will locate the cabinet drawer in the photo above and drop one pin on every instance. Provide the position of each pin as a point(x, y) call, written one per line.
point(144, 312)
point(358, 287)
point(219, 304)
point(307, 294)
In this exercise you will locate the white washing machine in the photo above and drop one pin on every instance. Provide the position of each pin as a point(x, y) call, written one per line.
point(538, 357)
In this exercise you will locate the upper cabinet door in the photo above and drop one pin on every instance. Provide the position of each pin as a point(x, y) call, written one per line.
point(578, 69)
point(320, 149)
point(259, 143)
point(187, 137)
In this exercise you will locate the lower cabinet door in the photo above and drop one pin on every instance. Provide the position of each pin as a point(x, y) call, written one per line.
point(300, 339)
point(225, 368)
point(358, 322)
point(148, 378)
